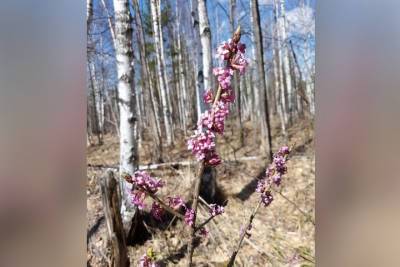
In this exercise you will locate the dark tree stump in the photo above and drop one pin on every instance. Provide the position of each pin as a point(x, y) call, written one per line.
point(111, 206)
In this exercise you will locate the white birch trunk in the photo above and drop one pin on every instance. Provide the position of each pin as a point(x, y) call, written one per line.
point(127, 103)
point(278, 79)
point(160, 70)
point(205, 38)
point(199, 77)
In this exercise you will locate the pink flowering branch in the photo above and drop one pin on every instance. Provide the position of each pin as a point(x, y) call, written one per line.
point(215, 210)
point(273, 177)
point(145, 185)
point(212, 122)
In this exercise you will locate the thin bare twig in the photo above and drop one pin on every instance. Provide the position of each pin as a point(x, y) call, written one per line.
point(243, 234)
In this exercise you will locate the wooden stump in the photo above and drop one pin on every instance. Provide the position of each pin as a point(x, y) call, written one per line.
point(111, 206)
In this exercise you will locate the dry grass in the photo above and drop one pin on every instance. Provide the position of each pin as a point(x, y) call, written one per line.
point(281, 235)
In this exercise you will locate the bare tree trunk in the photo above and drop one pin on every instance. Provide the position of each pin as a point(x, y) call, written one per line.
point(115, 230)
point(160, 69)
point(236, 78)
point(95, 100)
point(181, 72)
point(127, 106)
point(280, 67)
point(148, 82)
point(164, 68)
point(278, 81)
point(309, 81)
point(285, 56)
point(266, 136)
point(256, 114)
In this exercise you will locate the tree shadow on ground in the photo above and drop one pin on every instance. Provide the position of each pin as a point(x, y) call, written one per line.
point(250, 187)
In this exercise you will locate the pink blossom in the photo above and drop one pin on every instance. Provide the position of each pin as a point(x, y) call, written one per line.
point(221, 111)
point(240, 63)
point(260, 186)
point(216, 209)
point(227, 95)
point(203, 232)
point(189, 217)
point(284, 150)
point(157, 211)
point(270, 170)
point(224, 76)
point(223, 51)
point(206, 120)
point(215, 120)
point(201, 143)
point(212, 159)
point(280, 163)
point(146, 182)
point(266, 198)
point(277, 178)
point(138, 198)
point(241, 47)
point(208, 96)
point(176, 202)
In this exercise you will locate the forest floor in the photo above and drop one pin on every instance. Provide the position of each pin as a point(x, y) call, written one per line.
point(282, 233)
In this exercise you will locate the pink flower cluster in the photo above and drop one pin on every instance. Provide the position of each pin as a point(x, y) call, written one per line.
point(176, 202)
point(157, 211)
point(189, 217)
point(215, 121)
point(202, 143)
point(216, 209)
point(273, 175)
point(143, 183)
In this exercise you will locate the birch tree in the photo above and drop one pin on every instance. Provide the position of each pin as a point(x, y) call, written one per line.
point(285, 53)
point(198, 55)
point(160, 70)
point(127, 105)
point(278, 77)
point(205, 38)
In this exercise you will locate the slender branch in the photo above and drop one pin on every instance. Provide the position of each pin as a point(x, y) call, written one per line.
point(204, 223)
point(243, 234)
point(195, 203)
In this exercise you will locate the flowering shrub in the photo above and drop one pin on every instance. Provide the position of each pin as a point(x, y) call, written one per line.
point(143, 184)
point(202, 143)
